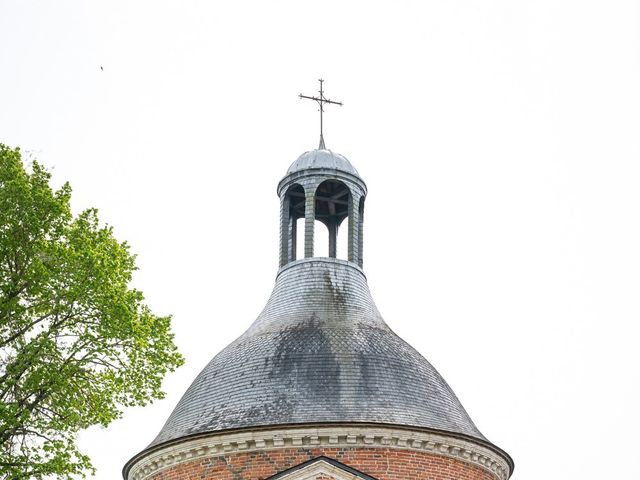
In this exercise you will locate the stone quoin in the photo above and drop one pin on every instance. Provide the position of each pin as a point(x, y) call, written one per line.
point(319, 387)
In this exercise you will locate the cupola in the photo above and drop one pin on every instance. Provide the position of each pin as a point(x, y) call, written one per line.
point(321, 186)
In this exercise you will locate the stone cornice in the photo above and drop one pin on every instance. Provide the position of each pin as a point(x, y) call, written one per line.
point(212, 445)
point(311, 173)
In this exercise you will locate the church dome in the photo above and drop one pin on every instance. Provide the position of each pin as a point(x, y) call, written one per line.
point(322, 158)
point(319, 372)
point(319, 352)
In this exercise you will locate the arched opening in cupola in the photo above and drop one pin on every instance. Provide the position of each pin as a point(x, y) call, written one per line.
point(320, 239)
point(343, 240)
point(293, 223)
point(299, 245)
point(332, 206)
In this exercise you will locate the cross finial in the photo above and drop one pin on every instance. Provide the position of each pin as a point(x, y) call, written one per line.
point(321, 101)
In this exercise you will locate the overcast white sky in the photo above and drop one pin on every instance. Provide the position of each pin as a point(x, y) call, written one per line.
point(500, 143)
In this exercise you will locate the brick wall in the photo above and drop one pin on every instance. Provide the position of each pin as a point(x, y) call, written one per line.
point(383, 464)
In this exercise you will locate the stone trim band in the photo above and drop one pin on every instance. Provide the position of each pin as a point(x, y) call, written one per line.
point(314, 437)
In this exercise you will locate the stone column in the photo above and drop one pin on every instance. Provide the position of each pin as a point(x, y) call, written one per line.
point(353, 228)
point(360, 231)
point(309, 219)
point(284, 230)
point(333, 234)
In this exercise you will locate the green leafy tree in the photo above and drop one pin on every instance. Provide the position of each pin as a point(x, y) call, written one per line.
point(76, 342)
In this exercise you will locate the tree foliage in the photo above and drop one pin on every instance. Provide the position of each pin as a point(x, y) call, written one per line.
point(76, 343)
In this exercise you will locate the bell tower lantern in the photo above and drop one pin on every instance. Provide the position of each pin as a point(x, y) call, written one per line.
point(322, 186)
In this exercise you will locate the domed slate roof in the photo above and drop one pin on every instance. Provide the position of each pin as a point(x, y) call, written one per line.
point(318, 353)
point(322, 158)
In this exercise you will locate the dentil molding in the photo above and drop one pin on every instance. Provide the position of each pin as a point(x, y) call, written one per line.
point(316, 437)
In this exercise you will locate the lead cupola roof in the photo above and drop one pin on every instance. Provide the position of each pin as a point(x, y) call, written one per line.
point(322, 158)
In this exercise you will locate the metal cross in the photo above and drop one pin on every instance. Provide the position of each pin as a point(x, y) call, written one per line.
point(321, 101)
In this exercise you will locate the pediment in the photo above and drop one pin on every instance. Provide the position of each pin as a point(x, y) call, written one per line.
point(321, 468)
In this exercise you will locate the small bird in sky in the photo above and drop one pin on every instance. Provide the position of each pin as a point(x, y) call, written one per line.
point(102, 69)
